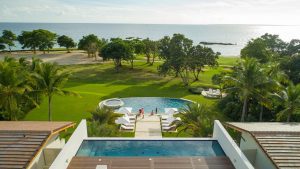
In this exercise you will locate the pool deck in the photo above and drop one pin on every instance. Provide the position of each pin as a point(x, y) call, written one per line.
point(152, 163)
point(149, 127)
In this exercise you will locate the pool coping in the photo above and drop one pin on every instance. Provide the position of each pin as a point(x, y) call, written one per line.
point(101, 103)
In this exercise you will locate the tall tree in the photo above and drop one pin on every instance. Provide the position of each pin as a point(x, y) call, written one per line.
point(9, 38)
point(91, 44)
point(290, 98)
point(50, 78)
point(117, 50)
point(175, 52)
point(66, 42)
point(13, 87)
point(137, 47)
point(151, 50)
point(200, 57)
point(37, 39)
point(247, 78)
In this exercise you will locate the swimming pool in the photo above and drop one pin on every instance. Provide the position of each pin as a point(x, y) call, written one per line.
point(149, 148)
point(151, 103)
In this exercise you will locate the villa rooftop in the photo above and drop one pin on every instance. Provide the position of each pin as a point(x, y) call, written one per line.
point(279, 141)
point(265, 126)
point(21, 141)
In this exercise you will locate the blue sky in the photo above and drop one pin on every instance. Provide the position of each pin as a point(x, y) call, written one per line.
point(282, 12)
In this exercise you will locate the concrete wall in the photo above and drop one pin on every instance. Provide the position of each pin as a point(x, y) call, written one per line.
point(230, 148)
point(70, 149)
point(41, 159)
point(258, 159)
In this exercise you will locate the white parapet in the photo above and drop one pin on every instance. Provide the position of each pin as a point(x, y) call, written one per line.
point(70, 149)
point(231, 149)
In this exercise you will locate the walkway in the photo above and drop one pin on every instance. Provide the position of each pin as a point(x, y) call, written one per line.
point(149, 127)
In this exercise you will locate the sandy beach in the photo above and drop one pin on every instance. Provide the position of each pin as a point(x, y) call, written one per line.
point(61, 57)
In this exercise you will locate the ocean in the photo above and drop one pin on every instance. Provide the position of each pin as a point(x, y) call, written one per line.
point(235, 34)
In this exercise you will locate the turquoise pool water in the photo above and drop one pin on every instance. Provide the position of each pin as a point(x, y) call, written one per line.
point(148, 148)
point(151, 103)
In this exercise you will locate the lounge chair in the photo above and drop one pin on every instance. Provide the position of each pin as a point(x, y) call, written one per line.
point(169, 128)
point(123, 127)
point(125, 120)
point(165, 117)
point(131, 117)
point(170, 120)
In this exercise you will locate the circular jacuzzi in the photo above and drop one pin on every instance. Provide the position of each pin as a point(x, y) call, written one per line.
point(112, 103)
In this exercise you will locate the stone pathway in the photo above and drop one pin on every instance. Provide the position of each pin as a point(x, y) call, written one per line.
point(149, 127)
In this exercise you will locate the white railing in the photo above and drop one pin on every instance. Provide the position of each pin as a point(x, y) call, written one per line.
point(231, 149)
point(70, 149)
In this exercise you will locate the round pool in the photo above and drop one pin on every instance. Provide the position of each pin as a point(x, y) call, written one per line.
point(112, 103)
point(151, 103)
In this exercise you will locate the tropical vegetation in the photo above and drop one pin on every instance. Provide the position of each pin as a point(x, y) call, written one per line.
point(261, 86)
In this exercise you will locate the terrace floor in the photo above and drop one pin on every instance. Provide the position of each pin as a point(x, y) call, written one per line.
point(152, 163)
point(149, 127)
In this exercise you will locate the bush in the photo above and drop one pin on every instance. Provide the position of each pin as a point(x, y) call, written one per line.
point(196, 90)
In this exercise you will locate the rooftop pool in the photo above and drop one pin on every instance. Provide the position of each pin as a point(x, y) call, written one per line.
point(150, 148)
point(151, 103)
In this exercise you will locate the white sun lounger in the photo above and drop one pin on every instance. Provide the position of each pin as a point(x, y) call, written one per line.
point(167, 128)
point(123, 127)
point(170, 120)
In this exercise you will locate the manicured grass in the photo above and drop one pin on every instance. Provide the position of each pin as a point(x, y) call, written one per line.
point(230, 61)
point(100, 81)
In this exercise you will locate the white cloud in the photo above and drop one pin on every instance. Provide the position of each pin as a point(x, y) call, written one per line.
point(153, 11)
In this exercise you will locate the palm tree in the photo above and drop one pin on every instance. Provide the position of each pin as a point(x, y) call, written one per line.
point(13, 87)
point(102, 123)
point(196, 118)
point(104, 115)
point(290, 97)
point(247, 79)
point(50, 79)
point(275, 76)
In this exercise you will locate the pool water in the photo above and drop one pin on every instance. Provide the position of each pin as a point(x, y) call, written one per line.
point(151, 103)
point(148, 148)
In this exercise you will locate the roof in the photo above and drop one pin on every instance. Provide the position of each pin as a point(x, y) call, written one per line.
point(151, 163)
point(265, 126)
point(280, 141)
point(33, 126)
point(20, 141)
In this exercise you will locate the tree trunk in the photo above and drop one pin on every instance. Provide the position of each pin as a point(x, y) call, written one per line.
point(68, 50)
point(153, 58)
point(131, 62)
point(261, 113)
point(244, 109)
point(9, 49)
point(44, 52)
point(148, 58)
point(49, 109)
point(34, 51)
point(288, 118)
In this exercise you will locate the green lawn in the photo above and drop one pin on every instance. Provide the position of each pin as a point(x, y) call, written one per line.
point(100, 81)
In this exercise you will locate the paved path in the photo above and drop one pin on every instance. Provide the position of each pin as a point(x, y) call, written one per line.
point(149, 127)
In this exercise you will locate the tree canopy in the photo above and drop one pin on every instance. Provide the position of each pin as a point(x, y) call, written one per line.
point(91, 44)
point(37, 39)
point(66, 41)
point(8, 38)
point(117, 50)
point(181, 57)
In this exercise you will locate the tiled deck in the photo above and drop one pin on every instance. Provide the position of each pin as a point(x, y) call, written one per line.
point(152, 163)
point(149, 127)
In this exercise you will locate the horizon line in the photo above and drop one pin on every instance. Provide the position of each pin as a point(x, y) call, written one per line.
point(149, 23)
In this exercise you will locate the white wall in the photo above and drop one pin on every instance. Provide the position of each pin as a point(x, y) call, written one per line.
point(261, 159)
point(70, 149)
point(231, 149)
